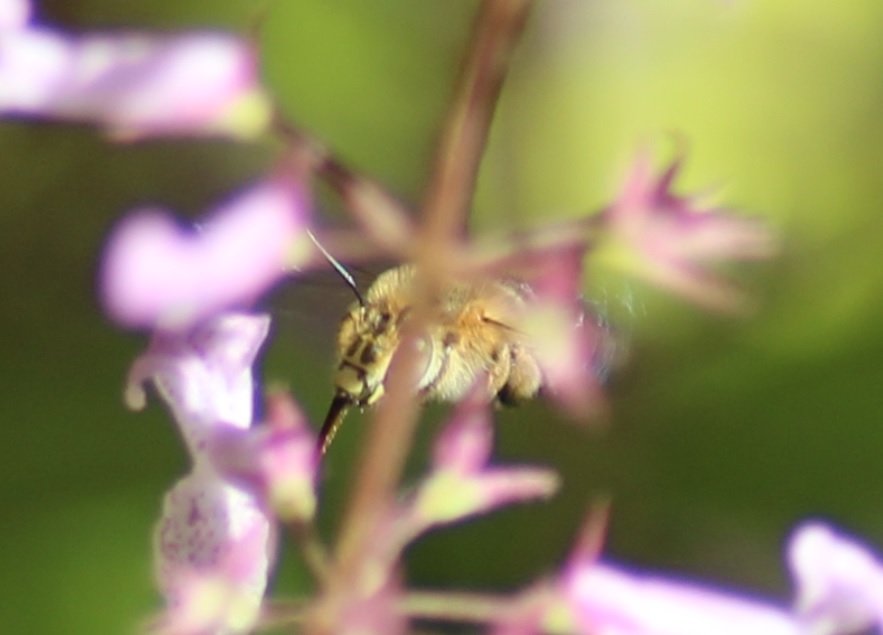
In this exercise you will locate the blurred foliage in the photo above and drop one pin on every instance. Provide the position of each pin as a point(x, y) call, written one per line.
point(726, 430)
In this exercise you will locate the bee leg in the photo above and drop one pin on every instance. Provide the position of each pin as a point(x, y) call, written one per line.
point(524, 380)
point(499, 369)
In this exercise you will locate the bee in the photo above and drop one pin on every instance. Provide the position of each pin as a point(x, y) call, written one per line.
point(472, 333)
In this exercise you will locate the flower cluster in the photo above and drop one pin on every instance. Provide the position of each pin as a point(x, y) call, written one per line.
point(194, 288)
point(837, 582)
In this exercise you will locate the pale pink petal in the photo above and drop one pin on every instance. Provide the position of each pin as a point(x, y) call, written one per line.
point(839, 581)
point(614, 602)
point(204, 376)
point(214, 542)
point(446, 497)
point(14, 15)
point(277, 459)
point(569, 341)
point(156, 274)
point(464, 444)
point(501, 486)
point(673, 242)
point(288, 460)
point(134, 85)
point(214, 549)
point(462, 483)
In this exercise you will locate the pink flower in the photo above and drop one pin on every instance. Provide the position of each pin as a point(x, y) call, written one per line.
point(670, 241)
point(14, 15)
point(214, 547)
point(839, 591)
point(571, 345)
point(461, 483)
point(839, 582)
point(215, 542)
point(204, 375)
point(278, 459)
point(155, 274)
point(132, 85)
point(612, 601)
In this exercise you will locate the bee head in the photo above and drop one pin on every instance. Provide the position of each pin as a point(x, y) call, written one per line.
point(368, 338)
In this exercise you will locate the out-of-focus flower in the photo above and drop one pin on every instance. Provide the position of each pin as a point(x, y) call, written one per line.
point(214, 542)
point(14, 14)
point(671, 242)
point(839, 585)
point(839, 582)
point(204, 375)
point(596, 597)
point(214, 548)
point(461, 483)
point(156, 274)
point(567, 339)
point(612, 601)
point(277, 459)
point(133, 85)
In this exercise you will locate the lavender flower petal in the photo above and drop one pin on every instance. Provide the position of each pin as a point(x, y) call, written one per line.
point(156, 274)
point(839, 581)
point(14, 15)
point(134, 85)
point(461, 483)
point(566, 340)
point(670, 241)
point(277, 459)
point(215, 541)
point(204, 376)
point(464, 444)
point(614, 602)
point(214, 548)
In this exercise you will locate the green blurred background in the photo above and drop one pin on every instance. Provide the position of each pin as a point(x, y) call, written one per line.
point(726, 430)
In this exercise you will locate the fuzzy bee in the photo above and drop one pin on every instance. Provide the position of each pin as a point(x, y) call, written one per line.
point(473, 332)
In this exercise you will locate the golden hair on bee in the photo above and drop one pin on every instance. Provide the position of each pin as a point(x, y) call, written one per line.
point(472, 332)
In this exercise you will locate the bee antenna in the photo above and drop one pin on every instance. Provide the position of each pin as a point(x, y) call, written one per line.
point(339, 268)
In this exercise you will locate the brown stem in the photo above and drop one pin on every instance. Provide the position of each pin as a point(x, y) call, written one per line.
point(276, 614)
point(387, 222)
point(495, 33)
point(496, 29)
point(497, 26)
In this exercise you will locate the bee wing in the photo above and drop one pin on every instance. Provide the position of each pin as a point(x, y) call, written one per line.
point(308, 309)
point(608, 351)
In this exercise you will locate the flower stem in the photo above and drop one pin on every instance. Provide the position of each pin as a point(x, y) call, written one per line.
point(314, 553)
point(496, 30)
point(454, 606)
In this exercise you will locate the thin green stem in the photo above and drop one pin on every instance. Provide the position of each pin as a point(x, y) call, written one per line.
point(447, 606)
point(313, 550)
